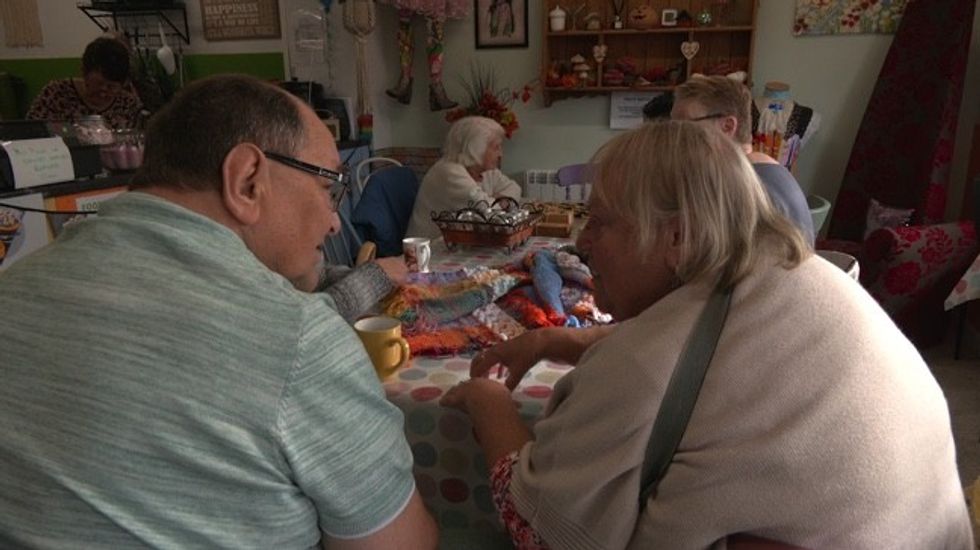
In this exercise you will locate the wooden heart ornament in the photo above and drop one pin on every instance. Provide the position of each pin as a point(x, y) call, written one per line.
point(690, 49)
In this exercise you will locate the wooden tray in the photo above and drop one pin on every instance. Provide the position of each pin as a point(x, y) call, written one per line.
point(555, 224)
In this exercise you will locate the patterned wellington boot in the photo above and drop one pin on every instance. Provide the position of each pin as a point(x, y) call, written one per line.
point(438, 100)
point(403, 90)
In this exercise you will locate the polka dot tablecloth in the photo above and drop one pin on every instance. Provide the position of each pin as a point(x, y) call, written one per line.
point(450, 470)
point(968, 287)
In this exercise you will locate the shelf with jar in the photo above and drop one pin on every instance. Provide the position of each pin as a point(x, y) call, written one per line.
point(600, 46)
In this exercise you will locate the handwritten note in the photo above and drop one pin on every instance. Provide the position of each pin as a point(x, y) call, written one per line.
point(626, 109)
point(39, 161)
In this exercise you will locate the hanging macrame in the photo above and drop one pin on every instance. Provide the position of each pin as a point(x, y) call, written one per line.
point(359, 20)
point(21, 23)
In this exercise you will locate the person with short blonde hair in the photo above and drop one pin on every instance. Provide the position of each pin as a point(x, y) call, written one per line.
point(721, 96)
point(726, 104)
point(468, 172)
point(817, 424)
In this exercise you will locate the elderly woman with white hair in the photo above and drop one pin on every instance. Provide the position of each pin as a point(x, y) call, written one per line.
point(813, 421)
point(468, 171)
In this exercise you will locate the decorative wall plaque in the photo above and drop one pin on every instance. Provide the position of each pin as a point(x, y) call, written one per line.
point(240, 19)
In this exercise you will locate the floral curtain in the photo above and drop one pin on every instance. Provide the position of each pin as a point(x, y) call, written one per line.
point(848, 16)
point(901, 155)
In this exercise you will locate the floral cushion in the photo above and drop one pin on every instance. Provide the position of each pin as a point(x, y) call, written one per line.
point(911, 270)
point(880, 216)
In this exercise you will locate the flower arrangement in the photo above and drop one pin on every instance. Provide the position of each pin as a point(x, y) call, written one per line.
point(484, 98)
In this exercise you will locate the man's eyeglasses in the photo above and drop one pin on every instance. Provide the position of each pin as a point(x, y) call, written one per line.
point(339, 180)
point(707, 117)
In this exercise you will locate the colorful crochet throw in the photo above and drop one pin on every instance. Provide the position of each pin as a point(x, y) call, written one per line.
point(452, 313)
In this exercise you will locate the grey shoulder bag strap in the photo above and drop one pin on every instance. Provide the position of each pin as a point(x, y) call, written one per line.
point(682, 391)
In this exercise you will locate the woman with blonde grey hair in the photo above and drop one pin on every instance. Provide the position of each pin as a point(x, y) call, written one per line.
point(468, 171)
point(815, 422)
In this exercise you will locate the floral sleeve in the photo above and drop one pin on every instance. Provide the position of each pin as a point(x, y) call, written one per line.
point(41, 106)
point(520, 531)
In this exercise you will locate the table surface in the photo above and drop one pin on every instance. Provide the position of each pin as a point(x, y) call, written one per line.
point(450, 469)
point(968, 287)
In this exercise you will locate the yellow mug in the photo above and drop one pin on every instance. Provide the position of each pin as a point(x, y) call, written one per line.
point(382, 338)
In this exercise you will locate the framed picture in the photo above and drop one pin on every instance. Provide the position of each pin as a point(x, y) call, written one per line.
point(501, 24)
point(668, 18)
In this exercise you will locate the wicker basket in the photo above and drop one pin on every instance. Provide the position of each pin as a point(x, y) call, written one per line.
point(470, 226)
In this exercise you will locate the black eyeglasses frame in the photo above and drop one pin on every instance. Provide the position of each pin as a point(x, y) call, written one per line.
point(339, 179)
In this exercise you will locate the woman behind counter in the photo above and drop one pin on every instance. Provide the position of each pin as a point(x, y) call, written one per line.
point(101, 90)
point(468, 171)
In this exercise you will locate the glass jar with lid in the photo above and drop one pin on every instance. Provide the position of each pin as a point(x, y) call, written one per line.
point(93, 130)
point(125, 152)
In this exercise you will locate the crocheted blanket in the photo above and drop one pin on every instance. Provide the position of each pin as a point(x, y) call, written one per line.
point(452, 313)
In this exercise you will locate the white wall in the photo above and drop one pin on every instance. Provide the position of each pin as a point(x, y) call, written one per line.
point(832, 74)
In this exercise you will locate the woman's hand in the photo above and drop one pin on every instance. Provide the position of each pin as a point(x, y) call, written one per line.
point(476, 394)
point(521, 354)
point(517, 356)
point(394, 267)
point(496, 422)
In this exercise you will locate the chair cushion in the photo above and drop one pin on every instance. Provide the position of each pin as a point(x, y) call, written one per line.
point(911, 270)
point(880, 216)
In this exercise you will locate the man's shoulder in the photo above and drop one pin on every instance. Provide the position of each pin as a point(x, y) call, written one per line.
point(771, 169)
point(776, 178)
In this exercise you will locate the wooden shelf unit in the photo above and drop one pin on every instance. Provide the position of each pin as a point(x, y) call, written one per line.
point(655, 51)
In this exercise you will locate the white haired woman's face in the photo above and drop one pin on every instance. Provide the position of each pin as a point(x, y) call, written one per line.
point(493, 155)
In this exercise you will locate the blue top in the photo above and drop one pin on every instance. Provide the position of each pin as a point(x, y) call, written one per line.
point(162, 387)
point(786, 195)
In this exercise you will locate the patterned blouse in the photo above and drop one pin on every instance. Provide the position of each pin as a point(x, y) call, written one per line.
point(521, 532)
point(60, 100)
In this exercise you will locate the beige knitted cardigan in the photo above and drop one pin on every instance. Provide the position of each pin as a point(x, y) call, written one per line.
point(818, 425)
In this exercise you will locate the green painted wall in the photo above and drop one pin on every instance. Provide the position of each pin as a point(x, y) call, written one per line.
point(267, 66)
point(35, 73)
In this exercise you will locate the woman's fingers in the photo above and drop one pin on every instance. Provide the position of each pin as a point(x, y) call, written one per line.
point(482, 363)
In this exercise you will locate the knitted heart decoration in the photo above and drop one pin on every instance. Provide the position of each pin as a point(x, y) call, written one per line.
point(690, 49)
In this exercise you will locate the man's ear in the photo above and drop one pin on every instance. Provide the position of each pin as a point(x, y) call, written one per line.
point(244, 181)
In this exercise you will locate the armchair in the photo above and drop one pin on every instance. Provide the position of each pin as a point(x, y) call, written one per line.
point(911, 270)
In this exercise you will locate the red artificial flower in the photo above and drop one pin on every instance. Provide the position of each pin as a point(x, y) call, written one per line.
point(486, 100)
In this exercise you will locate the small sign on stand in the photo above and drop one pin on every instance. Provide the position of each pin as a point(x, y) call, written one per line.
point(39, 161)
